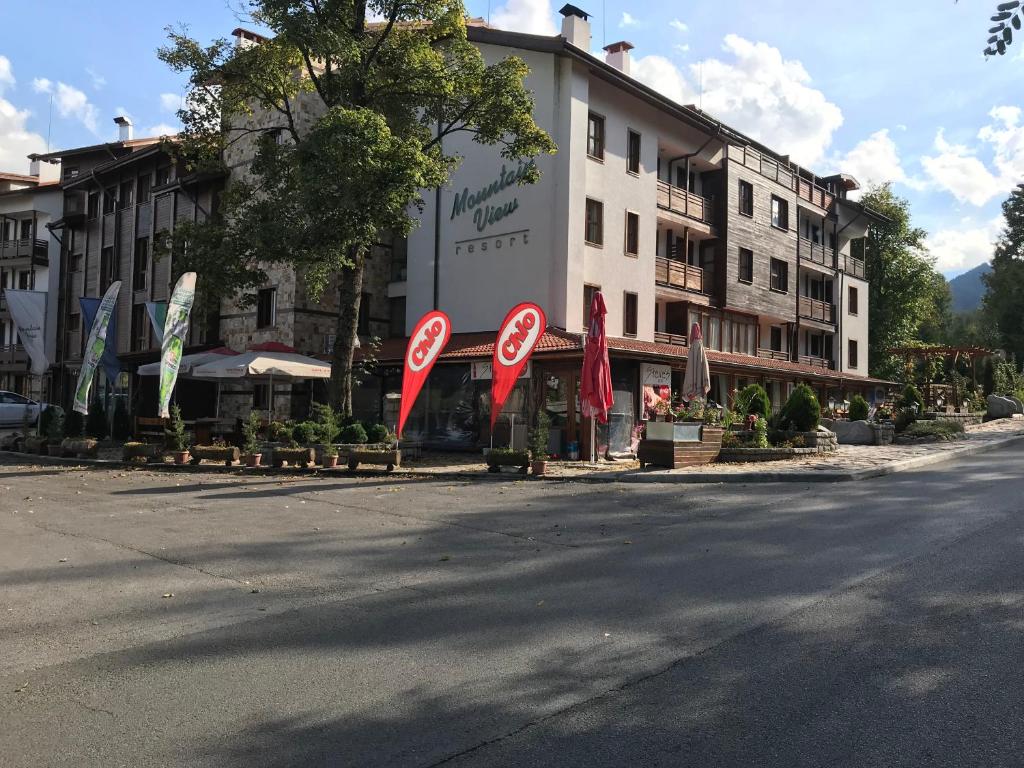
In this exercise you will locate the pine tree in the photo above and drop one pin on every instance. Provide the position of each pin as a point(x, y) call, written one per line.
point(1004, 297)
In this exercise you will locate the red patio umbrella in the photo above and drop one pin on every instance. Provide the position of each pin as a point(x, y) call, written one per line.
point(596, 381)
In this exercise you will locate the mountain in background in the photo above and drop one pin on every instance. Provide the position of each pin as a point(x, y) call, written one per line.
point(967, 289)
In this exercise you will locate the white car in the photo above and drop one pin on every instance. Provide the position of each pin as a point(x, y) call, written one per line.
point(14, 409)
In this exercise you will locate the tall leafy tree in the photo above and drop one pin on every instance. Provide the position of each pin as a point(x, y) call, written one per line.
point(1004, 296)
point(906, 292)
point(344, 113)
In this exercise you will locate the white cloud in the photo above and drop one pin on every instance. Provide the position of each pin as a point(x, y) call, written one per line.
point(875, 160)
point(678, 25)
point(42, 85)
point(16, 140)
point(628, 20)
point(162, 129)
point(532, 16)
point(757, 91)
point(98, 80)
point(71, 102)
point(682, 48)
point(964, 247)
point(956, 170)
point(171, 102)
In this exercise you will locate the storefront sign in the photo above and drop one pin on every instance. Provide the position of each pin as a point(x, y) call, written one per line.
point(428, 340)
point(483, 370)
point(486, 214)
point(655, 375)
point(519, 333)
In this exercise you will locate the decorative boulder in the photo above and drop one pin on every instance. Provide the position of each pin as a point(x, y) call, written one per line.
point(1003, 407)
point(851, 432)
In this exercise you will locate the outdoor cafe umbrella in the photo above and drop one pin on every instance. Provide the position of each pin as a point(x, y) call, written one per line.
point(265, 361)
point(188, 362)
point(697, 379)
point(596, 381)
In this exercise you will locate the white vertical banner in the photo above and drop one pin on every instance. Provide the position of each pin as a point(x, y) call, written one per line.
point(28, 310)
point(175, 332)
point(95, 346)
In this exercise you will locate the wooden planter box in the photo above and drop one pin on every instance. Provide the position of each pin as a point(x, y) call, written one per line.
point(226, 453)
point(146, 451)
point(80, 447)
point(32, 444)
point(677, 447)
point(390, 459)
point(293, 457)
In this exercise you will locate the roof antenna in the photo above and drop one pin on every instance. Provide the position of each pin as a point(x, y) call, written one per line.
point(49, 124)
point(604, 24)
point(700, 93)
point(488, 13)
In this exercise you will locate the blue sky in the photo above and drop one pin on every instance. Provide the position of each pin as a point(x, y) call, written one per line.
point(887, 91)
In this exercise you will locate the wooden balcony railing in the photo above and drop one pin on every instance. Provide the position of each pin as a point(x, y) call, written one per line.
point(780, 173)
point(17, 249)
point(677, 339)
point(854, 266)
point(13, 354)
point(815, 362)
point(671, 198)
point(678, 274)
point(814, 309)
point(816, 252)
point(772, 354)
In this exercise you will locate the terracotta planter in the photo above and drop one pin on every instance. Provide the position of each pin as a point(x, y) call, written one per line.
point(253, 459)
point(330, 462)
point(180, 457)
point(539, 466)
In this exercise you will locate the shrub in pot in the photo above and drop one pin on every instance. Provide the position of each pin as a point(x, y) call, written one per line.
point(539, 439)
point(330, 457)
point(353, 434)
point(506, 457)
point(250, 440)
point(801, 411)
point(753, 400)
point(177, 438)
point(145, 451)
point(325, 421)
point(858, 408)
point(226, 453)
point(380, 434)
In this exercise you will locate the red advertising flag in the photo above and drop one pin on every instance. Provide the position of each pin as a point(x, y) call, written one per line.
point(519, 333)
point(428, 339)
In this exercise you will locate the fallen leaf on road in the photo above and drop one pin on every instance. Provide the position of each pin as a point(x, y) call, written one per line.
point(168, 594)
point(445, 557)
point(62, 560)
point(254, 591)
point(21, 688)
point(627, 541)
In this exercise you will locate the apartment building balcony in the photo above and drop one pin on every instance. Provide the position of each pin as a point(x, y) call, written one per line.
point(28, 249)
point(816, 362)
point(773, 354)
point(854, 267)
point(13, 357)
point(687, 208)
point(814, 309)
point(671, 273)
point(816, 253)
point(783, 174)
point(675, 339)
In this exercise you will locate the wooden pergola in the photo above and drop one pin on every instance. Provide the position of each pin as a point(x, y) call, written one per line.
point(951, 355)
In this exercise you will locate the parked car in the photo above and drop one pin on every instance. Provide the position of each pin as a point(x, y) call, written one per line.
point(15, 407)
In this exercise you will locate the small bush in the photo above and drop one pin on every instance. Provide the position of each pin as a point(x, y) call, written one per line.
point(904, 418)
point(801, 412)
point(96, 421)
point(379, 433)
point(280, 431)
point(306, 432)
point(753, 400)
point(177, 439)
point(911, 397)
point(251, 433)
point(327, 423)
point(353, 433)
point(858, 408)
point(55, 427)
point(938, 430)
point(46, 418)
point(761, 433)
point(506, 457)
point(730, 439)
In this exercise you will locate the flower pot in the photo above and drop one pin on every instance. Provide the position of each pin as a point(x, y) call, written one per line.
point(539, 466)
point(253, 459)
point(180, 457)
point(330, 462)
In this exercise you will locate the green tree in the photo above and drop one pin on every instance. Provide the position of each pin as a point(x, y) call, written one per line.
point(1004, 295)
point(905, 292)
point(347, 122)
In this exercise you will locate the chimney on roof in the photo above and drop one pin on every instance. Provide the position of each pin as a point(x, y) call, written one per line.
point(617, 55)
point(576, 26)
point(33, 166)
point(124, 128)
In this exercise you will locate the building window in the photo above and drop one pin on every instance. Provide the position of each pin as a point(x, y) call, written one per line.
point(23, 280)
point(143, 187)
point(75, 263)
point(633, 152)
point(140, 327)
point(74, 322)
point(816, 345)
point(746, 198)
point(93, 205)
point(776, 339)
point(70, 172)
point(26, 229)
point(126, 195)
point(629, 313)
point(595, 136)
point(746, 265)
point(363, 321)
point(632, 233)
point(588, 299)
point(852, 355)
point(261, 397)
point(109, 200)
point(108, 267)
point(780, 213)
point(595, 222)
point(853, 300)
point(396, 317)
point(266, 307)
point(780, 276)
point(163, 175)
point(140, 270)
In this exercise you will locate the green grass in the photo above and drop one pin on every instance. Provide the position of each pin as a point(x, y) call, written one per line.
point(940, 430)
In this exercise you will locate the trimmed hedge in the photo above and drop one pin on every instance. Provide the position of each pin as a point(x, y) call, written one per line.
point(858, 408)
point(754, 400)
point(801, 412)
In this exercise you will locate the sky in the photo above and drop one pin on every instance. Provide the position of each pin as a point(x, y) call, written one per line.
point(883, 90)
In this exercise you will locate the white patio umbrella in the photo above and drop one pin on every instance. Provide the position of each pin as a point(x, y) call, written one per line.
point(697, 379)
point(188, 362)
point(268, 361)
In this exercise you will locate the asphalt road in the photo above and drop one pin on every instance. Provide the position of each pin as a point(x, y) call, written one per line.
point(152, 619)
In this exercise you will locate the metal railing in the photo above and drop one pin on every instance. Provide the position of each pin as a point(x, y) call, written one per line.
point(813, 309)
point(677, 200)
point(780, 173)
point(678, 274)
point(26, 246)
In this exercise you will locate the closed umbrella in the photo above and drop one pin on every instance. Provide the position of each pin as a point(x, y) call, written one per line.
point(697, 379)
point(596, 381)
point(188, 362)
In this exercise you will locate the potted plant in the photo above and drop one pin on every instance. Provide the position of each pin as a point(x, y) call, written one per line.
point(380, 450)
point(662, 411)
point(330, 456)
point(177, 439)
point(539, 439)
point(54, 430)
point(506, 457)
point(250, 440)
